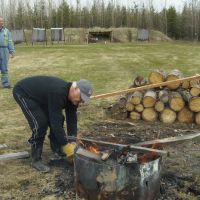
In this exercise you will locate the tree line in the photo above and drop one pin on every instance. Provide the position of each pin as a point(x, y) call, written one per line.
point(23, 14)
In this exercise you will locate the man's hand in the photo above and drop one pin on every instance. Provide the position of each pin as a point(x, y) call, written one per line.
point(12, 55)
point(69, 148)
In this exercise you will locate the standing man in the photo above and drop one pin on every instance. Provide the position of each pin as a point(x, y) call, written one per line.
point(6, 49)
point(42, 100)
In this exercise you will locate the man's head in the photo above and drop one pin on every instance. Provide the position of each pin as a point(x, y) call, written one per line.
point(1, 22)
point(80, 92)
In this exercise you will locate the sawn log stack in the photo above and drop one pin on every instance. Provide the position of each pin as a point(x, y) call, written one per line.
point(174, 102)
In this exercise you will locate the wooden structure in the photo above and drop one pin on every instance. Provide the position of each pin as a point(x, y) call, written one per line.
point(100, 36)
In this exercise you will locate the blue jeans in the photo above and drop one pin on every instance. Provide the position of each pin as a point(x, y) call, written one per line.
point(4, 72)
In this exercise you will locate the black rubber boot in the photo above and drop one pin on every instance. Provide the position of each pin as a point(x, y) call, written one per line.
point(56, 148)
point(36, 151)
point(57, 151)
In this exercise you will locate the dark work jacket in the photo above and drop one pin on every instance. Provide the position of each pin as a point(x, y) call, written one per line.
point(51, 94)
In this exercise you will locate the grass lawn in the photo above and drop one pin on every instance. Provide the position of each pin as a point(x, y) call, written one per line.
point(109, 67)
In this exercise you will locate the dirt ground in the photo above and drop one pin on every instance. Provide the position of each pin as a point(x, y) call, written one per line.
point(181, 170)
point(180, 174)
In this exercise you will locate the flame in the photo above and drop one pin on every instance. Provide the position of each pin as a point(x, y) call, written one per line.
point(93, 149)
point(90, 147)
point(147, 157)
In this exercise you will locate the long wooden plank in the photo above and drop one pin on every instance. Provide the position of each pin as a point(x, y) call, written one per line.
point(138, 148)
point(170, 140)
point(3, 146)
point(145, 87)
point(12, 156)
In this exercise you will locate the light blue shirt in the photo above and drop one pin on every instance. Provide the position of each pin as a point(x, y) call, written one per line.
point(6, 41)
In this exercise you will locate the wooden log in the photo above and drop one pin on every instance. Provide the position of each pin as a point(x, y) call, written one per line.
point(168, 116)
point(157, 76)
point(129, 107)
point(136, 98)
point(194, 104)
point(11, 156)
point(186, 95)
point(139, 81)
point(174, 75)
point(186, 85)
point(197, 118)
point(139, 108)
point(195, 91)
point(163, 96)
point(149, 115)
point(159, 106)
point(149, 99)
point(88, 154)
point(135, 115)
point(176, 101)
point(185, 115)
point(195, 82)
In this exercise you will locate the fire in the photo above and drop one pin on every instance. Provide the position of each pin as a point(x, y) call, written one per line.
point(93, 149)
point(90, 147)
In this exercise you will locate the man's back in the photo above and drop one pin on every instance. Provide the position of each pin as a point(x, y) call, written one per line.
point(40, 87)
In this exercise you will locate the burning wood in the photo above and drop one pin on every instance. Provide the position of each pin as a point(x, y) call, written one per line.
point(85, 141)
point(105, 155)
point(88, 154)
point(94, 150)
point(124, 155)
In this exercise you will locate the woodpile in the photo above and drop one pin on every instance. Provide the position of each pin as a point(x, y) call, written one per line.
point(174, 102)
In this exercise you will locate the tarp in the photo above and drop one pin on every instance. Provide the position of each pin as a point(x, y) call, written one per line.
point(143, 34)
point(18, 36)
point(38, 35)
point(57, 34)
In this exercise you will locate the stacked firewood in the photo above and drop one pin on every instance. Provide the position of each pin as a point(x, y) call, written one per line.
point(175, 102)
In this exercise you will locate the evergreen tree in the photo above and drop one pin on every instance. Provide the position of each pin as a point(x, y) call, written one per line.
point(172, 22)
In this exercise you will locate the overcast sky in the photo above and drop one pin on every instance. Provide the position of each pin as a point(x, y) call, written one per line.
point(158, 4)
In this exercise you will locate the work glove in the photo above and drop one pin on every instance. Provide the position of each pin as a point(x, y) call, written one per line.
point(68, 149)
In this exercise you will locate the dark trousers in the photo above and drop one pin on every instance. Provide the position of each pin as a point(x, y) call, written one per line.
point(36, 115)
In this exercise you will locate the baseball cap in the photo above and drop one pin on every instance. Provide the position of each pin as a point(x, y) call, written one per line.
point(86, 90)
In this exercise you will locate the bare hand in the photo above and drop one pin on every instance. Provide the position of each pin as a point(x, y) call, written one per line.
point(12, 55)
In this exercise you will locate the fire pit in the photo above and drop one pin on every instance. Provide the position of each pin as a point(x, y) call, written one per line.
point(110, 173)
